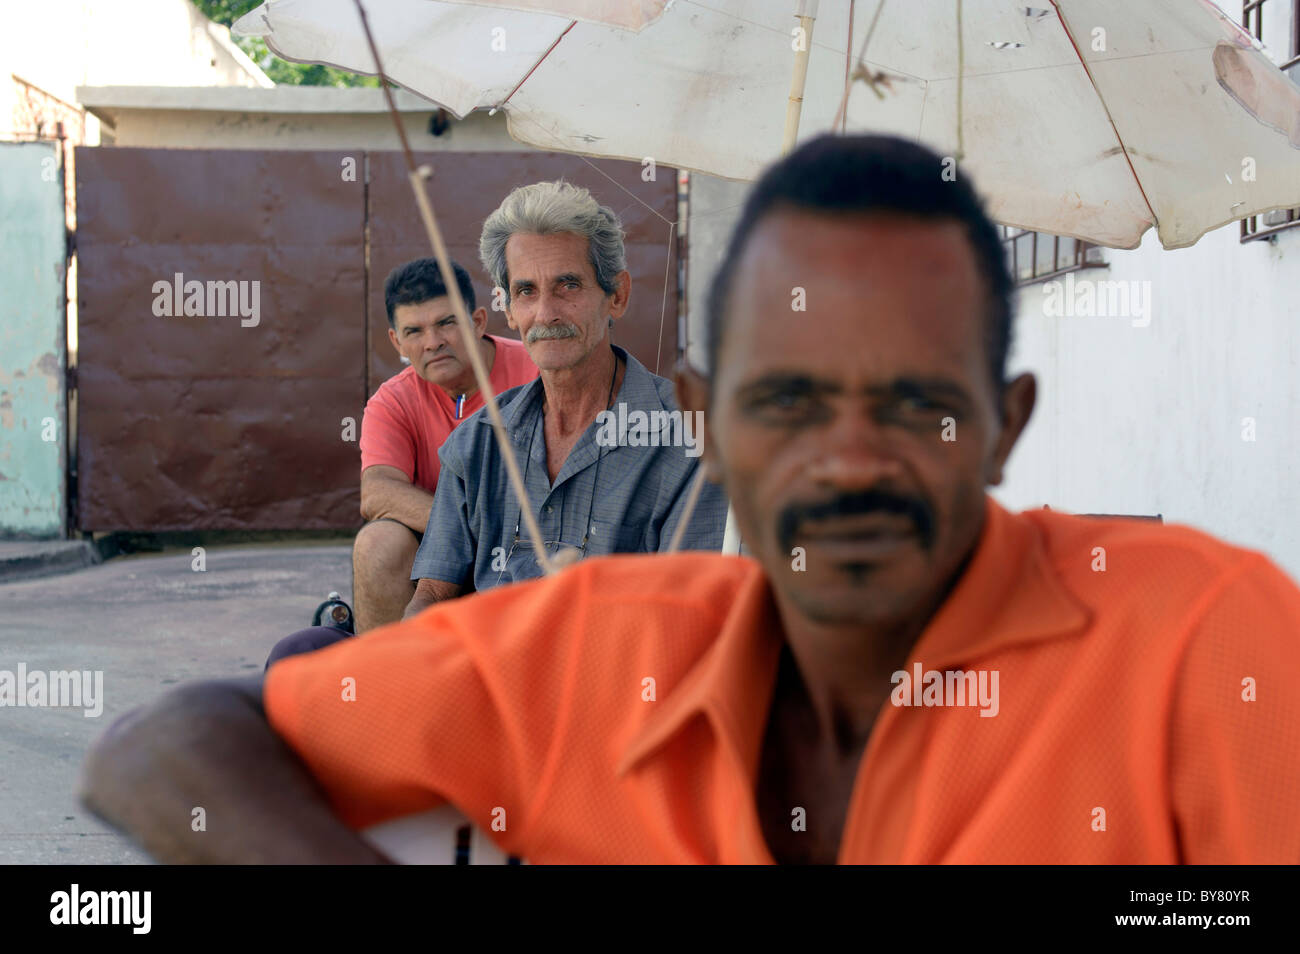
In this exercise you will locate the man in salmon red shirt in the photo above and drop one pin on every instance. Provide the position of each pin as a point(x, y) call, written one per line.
point(900, 671)
point(407, 420)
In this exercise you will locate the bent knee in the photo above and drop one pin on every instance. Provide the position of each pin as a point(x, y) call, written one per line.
point(385, 546)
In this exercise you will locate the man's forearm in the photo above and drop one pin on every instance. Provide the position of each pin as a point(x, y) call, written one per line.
point(420, 602)
point(396, 500)
point(417, 605)
point(208, 746)
point(428, 592)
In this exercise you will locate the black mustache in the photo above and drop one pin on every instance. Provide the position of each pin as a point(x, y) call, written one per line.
point(854, 505)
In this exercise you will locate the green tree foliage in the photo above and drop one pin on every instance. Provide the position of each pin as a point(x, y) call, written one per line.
point(227, 12)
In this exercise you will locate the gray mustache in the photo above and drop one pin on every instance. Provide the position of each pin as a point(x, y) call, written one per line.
point(551, 332)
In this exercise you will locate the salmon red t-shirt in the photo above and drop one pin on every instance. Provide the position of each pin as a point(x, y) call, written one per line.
point(408, 418)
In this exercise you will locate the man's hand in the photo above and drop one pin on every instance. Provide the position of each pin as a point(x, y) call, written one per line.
point(428, 592)
point(208, 746)
point(387, 492)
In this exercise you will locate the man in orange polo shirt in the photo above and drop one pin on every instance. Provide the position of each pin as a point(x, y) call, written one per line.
point(902, 671)
point(407, 420)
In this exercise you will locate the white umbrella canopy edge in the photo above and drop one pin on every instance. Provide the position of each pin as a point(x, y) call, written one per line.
point(421, 41)
point(624, 14)
point(1062, 134)
point(1212, 134)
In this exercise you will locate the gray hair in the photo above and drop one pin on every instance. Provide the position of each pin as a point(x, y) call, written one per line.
point(548, 208)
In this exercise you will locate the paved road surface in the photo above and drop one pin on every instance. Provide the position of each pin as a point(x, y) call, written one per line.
point(149, 622)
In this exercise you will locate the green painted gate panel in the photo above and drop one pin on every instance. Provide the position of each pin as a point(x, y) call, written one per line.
point(33, 437)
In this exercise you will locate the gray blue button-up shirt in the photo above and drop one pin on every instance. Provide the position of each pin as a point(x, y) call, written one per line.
point(611, 496)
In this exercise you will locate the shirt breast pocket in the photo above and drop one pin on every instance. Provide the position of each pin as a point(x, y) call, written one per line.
point(632, 534)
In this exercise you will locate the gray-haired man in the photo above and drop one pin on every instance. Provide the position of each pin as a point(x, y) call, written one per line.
point(596, 486)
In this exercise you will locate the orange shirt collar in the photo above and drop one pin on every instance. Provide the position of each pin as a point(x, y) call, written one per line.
point(1009, 595)
point(732, 682)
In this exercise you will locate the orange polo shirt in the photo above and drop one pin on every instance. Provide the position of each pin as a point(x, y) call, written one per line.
point(1147, 712)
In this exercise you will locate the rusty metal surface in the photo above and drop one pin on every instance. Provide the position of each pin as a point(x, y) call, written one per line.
point(467, 186)
point(200, 422)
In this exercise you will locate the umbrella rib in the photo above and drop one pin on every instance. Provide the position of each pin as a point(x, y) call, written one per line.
point(1109, 118)
point(632, 195)
point(524, 80)
point(842, 116)
point(848, 63)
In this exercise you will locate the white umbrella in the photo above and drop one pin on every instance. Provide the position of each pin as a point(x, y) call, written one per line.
point(1096, 119)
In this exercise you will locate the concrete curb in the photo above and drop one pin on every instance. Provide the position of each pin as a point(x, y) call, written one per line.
point(29, 560)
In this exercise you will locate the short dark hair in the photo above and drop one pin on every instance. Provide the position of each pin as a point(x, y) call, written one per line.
point(420, 281)
point(872, 174)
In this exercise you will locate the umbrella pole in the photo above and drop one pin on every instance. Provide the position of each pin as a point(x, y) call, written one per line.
point(806, 11)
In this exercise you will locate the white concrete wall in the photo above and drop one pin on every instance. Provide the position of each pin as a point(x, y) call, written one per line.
point(1148, 420)
point(285, 117)
point(59, 45)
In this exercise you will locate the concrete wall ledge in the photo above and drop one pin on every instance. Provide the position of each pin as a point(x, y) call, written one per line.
point(29, 559)
point(107, 101)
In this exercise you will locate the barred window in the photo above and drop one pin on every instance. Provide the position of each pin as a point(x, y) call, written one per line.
point(1268, 224)
point(1039, 256)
